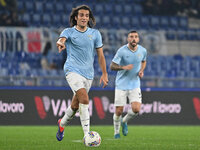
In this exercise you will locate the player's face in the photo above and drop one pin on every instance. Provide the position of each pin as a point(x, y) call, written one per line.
point(82, 18)
point(133, 39)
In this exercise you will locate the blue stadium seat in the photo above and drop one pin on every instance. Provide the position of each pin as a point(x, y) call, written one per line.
point(173, 22)
point(191, 34)
point(68, 7)
point(46, 20)
point(98, 22)
point(183, 22)
point(164, 22)
point(106, 21)
point(22, 56)
point(126, 22)
point(34, 73)
point(20, 5)
point(27, 18)
point(29, 6)
point(198, 34)
point(181, 35)
point(144, 22)
point(45, 82)
point(39, 6)
point(128, 10)
point(108, 9)
point(4, 71)
point(57, 22)
point(13, 72)
point(98, 8)
point(25, 73)
point(118, 9)
point(112, 36)
point(138, 10)
point(154, 22)
point(59, 7)
point(171, 34)
point(44, 72)
point(64, 20)
point(36, 20)
point(135, 22)
point(4, 64)
point(49, 7)
point(116, 22)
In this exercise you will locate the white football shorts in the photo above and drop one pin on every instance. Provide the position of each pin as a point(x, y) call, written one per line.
point(133, 95)
point(76, 82)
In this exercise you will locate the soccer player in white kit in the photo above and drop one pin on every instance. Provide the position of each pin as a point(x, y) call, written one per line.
point(130, 62)
point(81, 43)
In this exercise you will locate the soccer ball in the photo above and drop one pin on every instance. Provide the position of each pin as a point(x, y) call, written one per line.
point(92, 139)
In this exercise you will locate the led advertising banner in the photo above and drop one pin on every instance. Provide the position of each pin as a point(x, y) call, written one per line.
point(45, 107)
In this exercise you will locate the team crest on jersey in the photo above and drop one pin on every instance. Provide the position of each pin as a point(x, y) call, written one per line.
point(139, 56)
point(90, 37)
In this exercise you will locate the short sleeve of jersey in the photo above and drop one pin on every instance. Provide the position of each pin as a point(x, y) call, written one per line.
point(65, 33)
point(98, 41)
point(145, 55)
point(117, 58)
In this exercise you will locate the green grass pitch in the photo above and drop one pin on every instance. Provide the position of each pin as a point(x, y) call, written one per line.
point(138, 138)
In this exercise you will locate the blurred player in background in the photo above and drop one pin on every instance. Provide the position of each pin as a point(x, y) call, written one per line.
point(81, 43)
point(130, 62)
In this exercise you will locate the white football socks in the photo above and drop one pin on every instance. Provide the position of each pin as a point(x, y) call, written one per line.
point(129, 115)
point(84, 117)
point(117, 123)
point(69, 114)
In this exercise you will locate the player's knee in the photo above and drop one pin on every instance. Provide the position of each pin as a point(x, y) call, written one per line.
point(84, 101)
point(82, 96)
point(75, 105)
point(74, 108)
point(136, 109)
point(119, 111)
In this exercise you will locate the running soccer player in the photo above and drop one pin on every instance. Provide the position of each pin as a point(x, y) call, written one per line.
point(130, 62)
point(81, 43)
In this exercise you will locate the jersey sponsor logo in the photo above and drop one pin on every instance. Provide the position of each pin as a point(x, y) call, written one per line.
point(11, 107)
point(99, 107)
point(158, 107)
point(40, 107)
point(196, 103)
point(45, 105)
point(90, 37)
point(139, 56)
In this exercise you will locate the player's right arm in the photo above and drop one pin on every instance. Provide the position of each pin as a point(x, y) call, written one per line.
point(117, 67)
point(61, 44)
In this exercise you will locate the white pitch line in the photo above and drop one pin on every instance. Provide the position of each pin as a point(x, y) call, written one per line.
point(77, 141)
point(107, 139)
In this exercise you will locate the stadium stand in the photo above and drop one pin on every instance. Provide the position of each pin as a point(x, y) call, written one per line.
point(112, 17)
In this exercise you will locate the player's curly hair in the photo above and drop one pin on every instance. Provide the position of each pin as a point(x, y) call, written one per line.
point(74, 14)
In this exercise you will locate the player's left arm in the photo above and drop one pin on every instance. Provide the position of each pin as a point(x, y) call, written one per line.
point(102, 63)
point(143, 66)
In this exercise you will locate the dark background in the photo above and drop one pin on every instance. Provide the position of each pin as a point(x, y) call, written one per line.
point(30, 116)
